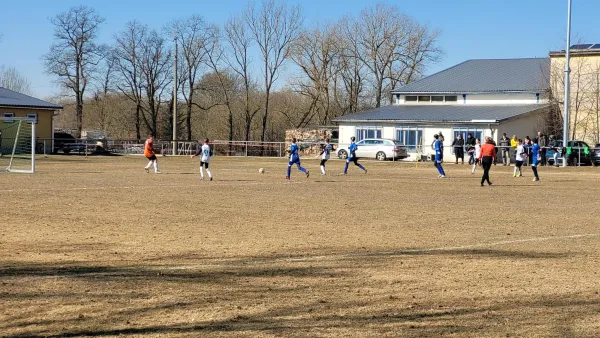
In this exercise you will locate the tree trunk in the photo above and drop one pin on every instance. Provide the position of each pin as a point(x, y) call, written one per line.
point(188, 119)
point(79, 114)
point(137, 122)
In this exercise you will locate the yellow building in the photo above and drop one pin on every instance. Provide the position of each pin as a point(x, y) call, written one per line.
point(13, 104)
point(584, 107)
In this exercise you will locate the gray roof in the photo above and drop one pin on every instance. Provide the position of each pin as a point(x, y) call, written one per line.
point(442, 113)
point(9, 98)
point(486, 76)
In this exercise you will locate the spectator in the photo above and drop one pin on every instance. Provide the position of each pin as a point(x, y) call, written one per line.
point(486, 157)
point(543, 143)
point(505, 145)
point(555, 146)
point(527, 146)
point(470, 145)
point(458, 145)
point(514, 142)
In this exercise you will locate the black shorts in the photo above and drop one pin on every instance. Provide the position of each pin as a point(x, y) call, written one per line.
point(519, 164)
point(354, 159)
point(204, 164)
point(151, 158)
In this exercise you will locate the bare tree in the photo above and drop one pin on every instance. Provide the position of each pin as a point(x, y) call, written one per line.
point(275, 27)
point(351, 83)
point(239, 43)
point(103, 86)
point(127, 55)
point(197, 40)
point(156, 76)
point(314, 53)
point(74, 56)
point(10, 78)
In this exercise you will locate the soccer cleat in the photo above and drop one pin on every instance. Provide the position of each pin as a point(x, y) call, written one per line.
point(535, 179)
point(210, 179)
point(287, 178)
point(442, 176)
point(307, 174)
point(157, 172)
point(514, 175)
point(147, 170)
point(365, 171)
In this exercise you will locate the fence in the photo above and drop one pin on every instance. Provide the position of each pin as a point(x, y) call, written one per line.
point(577, 156)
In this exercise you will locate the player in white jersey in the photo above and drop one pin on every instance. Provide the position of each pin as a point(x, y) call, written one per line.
point(325, 154)
point(520, 157)
point(205, 152)
point(477, 152)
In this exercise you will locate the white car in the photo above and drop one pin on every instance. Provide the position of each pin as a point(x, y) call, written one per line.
point(380, 149)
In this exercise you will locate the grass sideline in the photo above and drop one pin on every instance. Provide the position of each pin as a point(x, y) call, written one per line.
point(95, 247)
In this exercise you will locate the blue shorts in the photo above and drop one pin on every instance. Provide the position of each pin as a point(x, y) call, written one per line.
point(294, 161)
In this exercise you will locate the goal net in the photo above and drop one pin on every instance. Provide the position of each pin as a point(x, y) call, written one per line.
point(17, 144)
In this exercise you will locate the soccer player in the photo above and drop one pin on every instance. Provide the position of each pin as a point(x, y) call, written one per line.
point(486, 159)
point(352, 156)
point(438, 146)
point(535, 158)
point(519, 158)
point(206, 153)
point(476, 161)
point(149, 153)
point(325, 153)
point(295, 159)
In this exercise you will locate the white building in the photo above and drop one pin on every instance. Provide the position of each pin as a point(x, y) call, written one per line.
point(482, 97)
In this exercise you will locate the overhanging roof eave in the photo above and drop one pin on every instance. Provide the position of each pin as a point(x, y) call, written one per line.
point(9, 106)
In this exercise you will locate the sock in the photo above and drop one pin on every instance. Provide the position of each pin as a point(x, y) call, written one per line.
point(442, 170)
point(534, 168)
point(149, 165)
point(474, 166)
point(301, 169)
point(439, 169)
point(155, 163)
point(208, 172)
point(323, 169)
point(202, 172)
point(289, 171)
point(515, 171)
point(346, 168)
point(361, 167)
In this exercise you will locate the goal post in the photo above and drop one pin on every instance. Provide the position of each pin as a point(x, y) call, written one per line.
point(17, 144)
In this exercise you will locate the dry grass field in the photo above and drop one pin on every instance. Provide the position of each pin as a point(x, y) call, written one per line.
point(95, 247)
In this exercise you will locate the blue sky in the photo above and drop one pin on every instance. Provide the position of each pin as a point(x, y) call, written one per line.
point(470, 28)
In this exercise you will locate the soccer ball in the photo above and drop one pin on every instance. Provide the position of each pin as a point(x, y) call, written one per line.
point(261, 170)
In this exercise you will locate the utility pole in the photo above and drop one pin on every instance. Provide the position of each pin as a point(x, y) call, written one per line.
point(174, 143)
point(567, 84)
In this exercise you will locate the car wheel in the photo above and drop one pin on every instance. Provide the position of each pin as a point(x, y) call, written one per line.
point(343, 154)
point(380, 156)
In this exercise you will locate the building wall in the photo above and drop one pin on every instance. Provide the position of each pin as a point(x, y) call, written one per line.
point(528, 125)
point(482, 99)
point(43, 129)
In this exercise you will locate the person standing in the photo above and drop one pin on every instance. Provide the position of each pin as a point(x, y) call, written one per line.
point(505, 149)
point(527, 144)
point(458, 145)
point(543, 143)
point(486, 158)
point(554, 145)
point(295, 159)
point(150, 155)
point(352, 156)
point(519, 158)
point(535, 154)
point(206, 153)
point(325, 154)
point(470, 145)
point(438, 147)
point(477, 153)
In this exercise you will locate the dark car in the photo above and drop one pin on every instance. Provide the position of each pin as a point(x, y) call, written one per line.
point(66, 143)
point(577, 157)
point(596, 154)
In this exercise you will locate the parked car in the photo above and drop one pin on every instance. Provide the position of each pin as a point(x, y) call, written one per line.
point(380, 149)
point(596, 154)
point(66, 143)
point(578, 156)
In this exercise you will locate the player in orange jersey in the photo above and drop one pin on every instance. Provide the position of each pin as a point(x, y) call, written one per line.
point(149, 153)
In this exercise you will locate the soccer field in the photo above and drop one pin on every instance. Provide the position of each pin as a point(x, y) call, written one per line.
point(95, 247)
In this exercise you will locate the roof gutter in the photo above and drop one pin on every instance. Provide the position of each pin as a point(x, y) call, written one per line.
point(31, 107)
point(418, 121)
point(541, 90)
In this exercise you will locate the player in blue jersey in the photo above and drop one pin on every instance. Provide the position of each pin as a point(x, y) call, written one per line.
point(352, 156)
point(325, 153)
point(438, 146)
point(535, 158)
point(295, 159)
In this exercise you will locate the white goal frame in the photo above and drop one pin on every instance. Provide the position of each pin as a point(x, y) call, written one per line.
point(21, 120)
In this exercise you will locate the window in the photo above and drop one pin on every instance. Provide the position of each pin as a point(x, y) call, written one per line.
point(367, 132)
point(410, 98)
point(34, 116)
point(397, 98)
point(411, 137)
point(437, 99)
point(464, 131)
point(450, 98)
point(8, 115)
point(424, 98)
